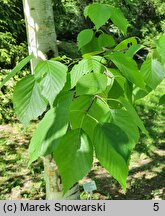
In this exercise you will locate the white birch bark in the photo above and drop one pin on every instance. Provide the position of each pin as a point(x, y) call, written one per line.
point(40, 29)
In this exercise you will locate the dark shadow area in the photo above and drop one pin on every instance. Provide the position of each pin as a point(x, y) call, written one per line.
point(140, 188)
point(12, 182)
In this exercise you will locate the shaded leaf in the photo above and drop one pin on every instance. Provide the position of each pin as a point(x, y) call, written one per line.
point(59, 125)
point(133, 115)
point(116, 90)
point(50, 129)
point(111, 147)
point(106, 40)
point(122, 119)
point(162, 100)
point(74, 157)
point(140, 93)
point(92, 46)
point(39, 135)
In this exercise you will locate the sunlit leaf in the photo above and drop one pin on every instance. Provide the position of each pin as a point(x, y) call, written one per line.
point(16, 69)
point(86, 112)
point(86, 65)
point(128, 68)
point(153, 72)
point(53, 77)
point(98, 13)
point(125, 44)
point(27, 99)
point(101, 13)
point(132, 50)
point(118, 19)
point(84, 37)
point(91, 84)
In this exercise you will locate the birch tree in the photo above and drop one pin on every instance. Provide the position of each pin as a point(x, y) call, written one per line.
point(91, 103)
point(41, 36)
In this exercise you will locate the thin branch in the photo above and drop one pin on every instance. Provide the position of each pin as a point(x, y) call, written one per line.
point(90, 105)
point(107, 74)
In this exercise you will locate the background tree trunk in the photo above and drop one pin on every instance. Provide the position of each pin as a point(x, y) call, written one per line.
point(41, 37)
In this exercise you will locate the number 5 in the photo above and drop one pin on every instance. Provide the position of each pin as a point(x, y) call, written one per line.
point(156, 207)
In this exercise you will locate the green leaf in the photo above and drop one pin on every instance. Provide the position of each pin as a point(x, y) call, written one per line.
point(162, 100)
point(78, 110)
point(128, 68)
point(84, 37)
point(79, 117)
point(53, 77)
point(106, 40)
point(98, 13)
point(118, 77)
point(78, 71)
point(96, 63)
point(111, 147)
point(86, 111)
point(118, 19)
point(140, 93)
point(92, 46)
point(161, 47)
point(129, 91)
point(123, 119)
point(59, 126)
point(27, 99)
point(125, 44)
point(132, 50)
point(100, 110)
point(86, 65)
point(95, 107)
point(116, 90)
point(133, 115)
point(39, 135)
point(74, 157)
point(152, 72)
point(124, 84)
point(50, 129)
point(16, 69)
point(101, 13)
point(91, 84)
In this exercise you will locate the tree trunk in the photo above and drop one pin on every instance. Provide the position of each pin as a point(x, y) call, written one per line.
point(41, 37)
point(40, 29)
point(54, 190)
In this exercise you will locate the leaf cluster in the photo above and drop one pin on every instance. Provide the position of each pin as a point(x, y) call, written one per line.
point(89, 107)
